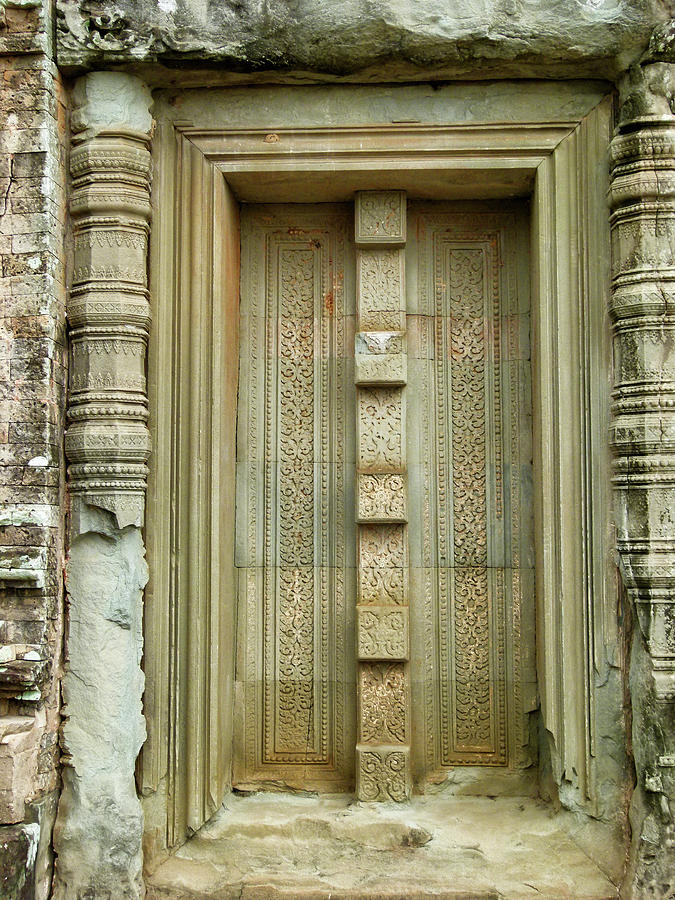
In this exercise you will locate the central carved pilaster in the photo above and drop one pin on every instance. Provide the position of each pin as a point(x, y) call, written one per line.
point(383, 749)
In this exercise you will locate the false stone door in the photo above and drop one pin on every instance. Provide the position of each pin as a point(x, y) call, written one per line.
point(385, 599)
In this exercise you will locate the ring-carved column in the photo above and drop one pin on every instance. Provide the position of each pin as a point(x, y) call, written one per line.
point(643, 439)
point(383, 749)
point(107, 441)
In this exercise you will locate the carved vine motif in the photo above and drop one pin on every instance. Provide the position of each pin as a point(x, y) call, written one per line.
point(381, 562)
point(382, 776)
point(380, 429)
point(295, 492)
point(383, 633)
point(380, 289)
point(473, 681)
point(383, 717)
point(468, 376)
point(295, 698)
point(382, 497)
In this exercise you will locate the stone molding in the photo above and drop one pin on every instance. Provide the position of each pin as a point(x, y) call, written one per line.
point(107, 440)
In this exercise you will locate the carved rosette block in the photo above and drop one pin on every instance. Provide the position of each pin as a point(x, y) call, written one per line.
point(380, 218)
point(383, 773)
point(383, 753)
point(107, 440)
point(382, 632)
point(643, 427)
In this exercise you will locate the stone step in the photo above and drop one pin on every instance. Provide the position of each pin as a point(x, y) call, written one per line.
point(278, 847)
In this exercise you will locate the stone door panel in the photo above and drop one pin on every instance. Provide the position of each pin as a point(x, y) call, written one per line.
point(470, 486)
point(295, 551)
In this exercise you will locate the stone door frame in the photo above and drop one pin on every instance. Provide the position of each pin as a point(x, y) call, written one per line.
point(194, 277)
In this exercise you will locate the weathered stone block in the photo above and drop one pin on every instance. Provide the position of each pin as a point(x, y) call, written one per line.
point(18, 846)
point(19, 746)
point(380, 218)
point(379, 358)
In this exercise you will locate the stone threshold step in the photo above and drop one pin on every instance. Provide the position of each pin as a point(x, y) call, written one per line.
point(441, 847)
point(271, 892)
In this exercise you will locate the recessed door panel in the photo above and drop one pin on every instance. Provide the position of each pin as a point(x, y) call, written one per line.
point(466, 444)
point(470, 484)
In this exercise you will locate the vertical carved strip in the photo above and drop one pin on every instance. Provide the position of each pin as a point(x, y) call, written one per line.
point(383, 749)
point(107, 441)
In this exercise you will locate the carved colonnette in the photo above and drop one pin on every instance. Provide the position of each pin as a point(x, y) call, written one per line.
point(107, 441)
point(642, 158)
point(383, 749)
point(107, 444)
point(643, 428)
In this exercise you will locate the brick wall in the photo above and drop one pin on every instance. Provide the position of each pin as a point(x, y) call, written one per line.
point(32, 385)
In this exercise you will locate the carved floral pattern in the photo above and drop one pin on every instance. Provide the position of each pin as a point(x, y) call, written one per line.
point(380, 429)
point(383, 775)
point(382, 498)
point(383, 633)
point(383, 695)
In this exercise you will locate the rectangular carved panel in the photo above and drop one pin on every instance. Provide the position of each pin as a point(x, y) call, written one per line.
point(473, 480)
point(381, 290)
point(383, 703)
point(293, 481)
point(382, 632)
point(381, 429)
point(382, 565)
point(380, 218)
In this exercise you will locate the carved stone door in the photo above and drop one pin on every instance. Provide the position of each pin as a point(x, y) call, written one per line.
point(386, 623)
